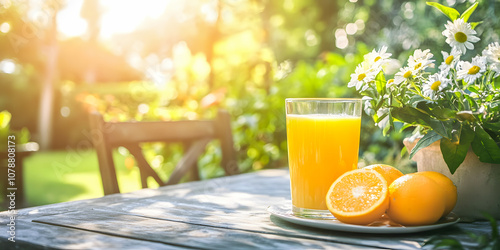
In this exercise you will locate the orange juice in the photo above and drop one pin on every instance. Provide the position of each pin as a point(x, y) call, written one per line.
point(321, 147)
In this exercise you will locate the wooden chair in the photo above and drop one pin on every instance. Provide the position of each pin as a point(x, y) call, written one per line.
point(194, 135)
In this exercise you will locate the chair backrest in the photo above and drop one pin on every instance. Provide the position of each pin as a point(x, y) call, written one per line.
point(194, 135)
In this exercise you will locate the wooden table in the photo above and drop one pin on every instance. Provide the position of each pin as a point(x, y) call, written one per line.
point(228, 212)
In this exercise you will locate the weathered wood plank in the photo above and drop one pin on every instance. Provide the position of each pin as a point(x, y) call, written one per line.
point(158, 131)
point(180, 234)
point(30, 235)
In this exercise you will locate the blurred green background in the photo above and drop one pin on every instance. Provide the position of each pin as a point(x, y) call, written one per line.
point(171, 60)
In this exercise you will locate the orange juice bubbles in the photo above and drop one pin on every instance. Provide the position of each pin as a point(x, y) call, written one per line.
point(323, 143)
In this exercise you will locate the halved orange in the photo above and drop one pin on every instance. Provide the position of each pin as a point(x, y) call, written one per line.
point(359, 196)
point(389, 172)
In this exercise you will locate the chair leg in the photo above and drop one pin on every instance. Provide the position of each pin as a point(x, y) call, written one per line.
point(194, 174)
point(223, 131)
point(104, 156)
point(187, 162)
point(194, 171)
point(144, 167)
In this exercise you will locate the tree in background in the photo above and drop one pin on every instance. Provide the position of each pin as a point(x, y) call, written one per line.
point(246, 56)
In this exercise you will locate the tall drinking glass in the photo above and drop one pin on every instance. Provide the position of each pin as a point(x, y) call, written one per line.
point(323, 143)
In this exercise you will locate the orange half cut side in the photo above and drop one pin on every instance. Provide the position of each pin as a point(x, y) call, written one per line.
point(358, 197)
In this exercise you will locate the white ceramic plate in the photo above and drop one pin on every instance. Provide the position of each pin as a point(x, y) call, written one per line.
point(379, 227)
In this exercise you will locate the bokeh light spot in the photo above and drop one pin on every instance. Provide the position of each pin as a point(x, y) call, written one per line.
point(7, 66)
point(65, 111)
point(311, 39)
point(342, 42)
point(143, 108)
point(351, 28)
point(5, 27)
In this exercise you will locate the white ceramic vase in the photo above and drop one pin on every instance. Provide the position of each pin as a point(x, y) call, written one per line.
point(478, 183)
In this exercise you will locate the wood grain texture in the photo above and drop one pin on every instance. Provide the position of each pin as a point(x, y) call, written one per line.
point(212, 214)
point(178, 233)
point(30, 235)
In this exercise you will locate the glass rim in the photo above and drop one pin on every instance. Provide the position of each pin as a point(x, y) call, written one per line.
point(324, 99)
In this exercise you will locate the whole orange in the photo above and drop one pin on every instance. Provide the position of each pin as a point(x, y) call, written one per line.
point(415, 200)
point(449, 189)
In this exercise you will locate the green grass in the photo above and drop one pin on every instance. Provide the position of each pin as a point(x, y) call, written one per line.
point(58, 176)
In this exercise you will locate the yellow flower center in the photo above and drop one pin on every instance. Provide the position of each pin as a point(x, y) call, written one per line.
point(407, 74)
point(435, 85)
point(377, 58)
point(390, 81)
point(461, 37)
point(418, 66)
point(361, 76)
point(473, 70)
point(449, 60)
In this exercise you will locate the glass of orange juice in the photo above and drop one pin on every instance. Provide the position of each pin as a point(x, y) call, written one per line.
point(323, 143)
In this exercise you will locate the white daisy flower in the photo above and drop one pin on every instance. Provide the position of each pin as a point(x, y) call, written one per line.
point(460, 35)
point(449, 61)
point(362, 75)
point(390, 82)
point(434, 86)
point(420, 60)
point(403, 75)
point(377, 57)
point(391, 67)
point(492, 54)
point(471, 71)
point(368, 105)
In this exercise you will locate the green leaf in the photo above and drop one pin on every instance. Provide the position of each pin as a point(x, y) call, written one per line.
point(389, 125)
point(492, 126)
point(425, 141)
point(443, 113)
point(466, 116)
point(380, 118)
point(443, 243)
point(405, 126)
point(494, 228)
point(495, 237)
point(410, 115)
point(424, 106)
point(417, 116)
point(454, 152)
point(403, 151)
point(473, 89)
point(23, 136)
point(474, 24)
point(441, 127)
point(449, 244)
point(453, 14)
point(472, 102)
point(416, 100)
point(380, 82)
point(468, 12)
point(485, 147)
